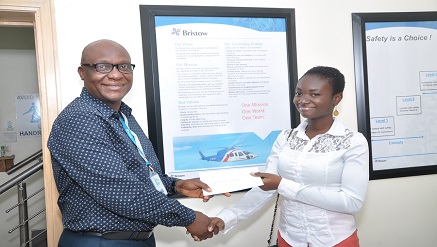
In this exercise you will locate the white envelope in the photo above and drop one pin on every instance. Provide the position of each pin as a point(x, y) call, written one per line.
point(229, 180)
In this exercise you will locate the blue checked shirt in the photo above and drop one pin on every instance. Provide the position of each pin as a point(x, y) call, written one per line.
point(102, 180)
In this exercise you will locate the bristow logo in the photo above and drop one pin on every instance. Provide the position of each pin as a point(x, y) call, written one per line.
point(177, 32)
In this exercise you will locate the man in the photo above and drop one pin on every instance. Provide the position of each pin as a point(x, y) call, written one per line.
point(104, 165)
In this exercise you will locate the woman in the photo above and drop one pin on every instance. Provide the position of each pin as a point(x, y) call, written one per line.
point(320, 168)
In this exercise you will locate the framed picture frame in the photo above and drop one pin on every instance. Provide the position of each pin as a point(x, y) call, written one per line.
point(219, 84)
point(396, 83)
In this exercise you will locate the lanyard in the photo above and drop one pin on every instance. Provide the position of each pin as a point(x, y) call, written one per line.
point(154, 177)
point(134, 139)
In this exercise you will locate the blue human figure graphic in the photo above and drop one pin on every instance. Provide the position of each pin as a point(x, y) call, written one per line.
point(35, 113)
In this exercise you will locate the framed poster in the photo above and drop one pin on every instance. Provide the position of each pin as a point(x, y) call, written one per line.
point(219, 84)
point(396, 81)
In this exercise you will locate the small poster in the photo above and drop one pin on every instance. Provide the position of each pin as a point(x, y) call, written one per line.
point(400, 91)
point(28, 115)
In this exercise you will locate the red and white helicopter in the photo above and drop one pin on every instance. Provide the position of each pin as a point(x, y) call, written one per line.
point(229, 154)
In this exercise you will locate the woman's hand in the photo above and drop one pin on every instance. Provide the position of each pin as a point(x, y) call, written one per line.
point(216, 225)
point(271, 181)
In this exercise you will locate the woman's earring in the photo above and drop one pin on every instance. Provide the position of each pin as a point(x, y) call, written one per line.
point(336, 111)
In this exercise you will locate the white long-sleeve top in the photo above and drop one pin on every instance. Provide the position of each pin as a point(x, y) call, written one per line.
point(324, 183)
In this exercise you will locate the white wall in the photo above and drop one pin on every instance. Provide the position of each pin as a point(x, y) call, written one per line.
point(18, 76)
point(398, 212)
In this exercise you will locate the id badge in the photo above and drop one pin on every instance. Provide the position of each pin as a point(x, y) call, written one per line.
point(156, 181)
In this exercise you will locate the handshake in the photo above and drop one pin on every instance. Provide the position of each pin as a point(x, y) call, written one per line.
point(204, 227)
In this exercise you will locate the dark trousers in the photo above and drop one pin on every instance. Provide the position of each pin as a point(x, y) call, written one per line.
point(72, 239)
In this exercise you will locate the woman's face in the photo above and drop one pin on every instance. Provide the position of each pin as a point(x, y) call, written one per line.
point(314, 99)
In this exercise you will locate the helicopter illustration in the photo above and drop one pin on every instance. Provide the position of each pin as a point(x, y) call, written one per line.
point(229, 154)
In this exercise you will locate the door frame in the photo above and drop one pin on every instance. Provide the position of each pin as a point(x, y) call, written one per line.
point(40, 15)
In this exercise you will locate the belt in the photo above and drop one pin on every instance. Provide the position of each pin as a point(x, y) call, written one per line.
point(116, 235)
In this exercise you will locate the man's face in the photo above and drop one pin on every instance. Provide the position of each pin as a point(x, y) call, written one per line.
point(110, 87)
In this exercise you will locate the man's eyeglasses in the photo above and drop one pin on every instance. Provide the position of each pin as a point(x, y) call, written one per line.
point(124, 68)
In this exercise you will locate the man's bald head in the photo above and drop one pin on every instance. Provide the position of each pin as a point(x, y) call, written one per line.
point(87, 53)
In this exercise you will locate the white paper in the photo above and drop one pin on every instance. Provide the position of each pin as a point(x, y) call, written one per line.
point(229, 180)
point(10, 137)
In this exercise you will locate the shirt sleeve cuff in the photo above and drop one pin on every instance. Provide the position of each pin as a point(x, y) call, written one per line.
point(289, 188)
point(229, 218)
point(172, 191)
point(191, 216)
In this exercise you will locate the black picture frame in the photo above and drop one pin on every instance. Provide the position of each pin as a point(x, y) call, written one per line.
point(359, 21)
point(148, 13)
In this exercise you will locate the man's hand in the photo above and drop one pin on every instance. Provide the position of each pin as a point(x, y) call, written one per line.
point(199, 228)
point(194, 188)
point(271, 181)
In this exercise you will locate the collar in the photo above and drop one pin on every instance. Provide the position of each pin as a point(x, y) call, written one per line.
point(337, 129)
point(102, 107)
